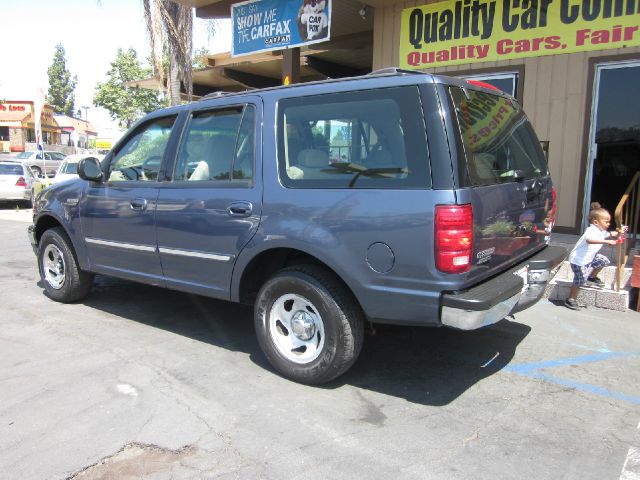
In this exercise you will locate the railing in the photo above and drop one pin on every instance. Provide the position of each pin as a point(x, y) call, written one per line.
point(627, 213)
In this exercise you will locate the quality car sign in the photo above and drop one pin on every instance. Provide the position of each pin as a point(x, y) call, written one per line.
point(262, 25)
point(466, 31)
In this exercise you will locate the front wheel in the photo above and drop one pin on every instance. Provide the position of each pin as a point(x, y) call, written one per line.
point(308, 324)
point(61, 275)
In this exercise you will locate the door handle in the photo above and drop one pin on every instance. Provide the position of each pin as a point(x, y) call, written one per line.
point(138, 204)
point(240, 209)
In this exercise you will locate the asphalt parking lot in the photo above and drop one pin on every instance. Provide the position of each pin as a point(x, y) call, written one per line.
point(142, 382)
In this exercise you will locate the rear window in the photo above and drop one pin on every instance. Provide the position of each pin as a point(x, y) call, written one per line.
point(11, 170)
point(499, 141)
point(23, 155)
point(366, 139)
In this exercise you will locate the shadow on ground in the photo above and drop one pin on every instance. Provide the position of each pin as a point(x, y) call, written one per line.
point(422, 365)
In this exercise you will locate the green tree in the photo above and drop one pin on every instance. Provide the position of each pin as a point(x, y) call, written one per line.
point(61, 84)
point(198, 61)
point(124, 103)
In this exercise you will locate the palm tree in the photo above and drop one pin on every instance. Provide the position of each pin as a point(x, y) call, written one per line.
point(171, 23)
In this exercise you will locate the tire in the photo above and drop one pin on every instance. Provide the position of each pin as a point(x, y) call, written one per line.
point(62, 278)
point(308, 324)
point(37, 171)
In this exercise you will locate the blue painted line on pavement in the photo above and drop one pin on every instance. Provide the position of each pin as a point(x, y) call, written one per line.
point(531, 370)
point(587, 387)
point(525, 368)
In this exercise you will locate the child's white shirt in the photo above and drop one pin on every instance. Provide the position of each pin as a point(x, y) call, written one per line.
point(584, 253)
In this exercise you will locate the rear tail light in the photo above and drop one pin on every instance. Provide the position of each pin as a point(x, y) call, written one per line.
point(21, 182)
point(453, 238)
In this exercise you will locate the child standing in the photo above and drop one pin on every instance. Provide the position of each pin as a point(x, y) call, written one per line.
point(585, 260)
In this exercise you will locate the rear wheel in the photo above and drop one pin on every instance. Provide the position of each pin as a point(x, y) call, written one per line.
point(62, 278)
point(37, 171)
point(308, 324)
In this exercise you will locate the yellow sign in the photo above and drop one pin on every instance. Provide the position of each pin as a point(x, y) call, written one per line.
point(471, 31)
point(103, 144)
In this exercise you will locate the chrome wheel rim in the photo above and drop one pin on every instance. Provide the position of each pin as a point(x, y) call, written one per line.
point(296, 328)
point(53, 266)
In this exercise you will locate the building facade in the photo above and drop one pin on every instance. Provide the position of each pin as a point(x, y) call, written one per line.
point(579, 82)
point(574, 65)
point(17, 126)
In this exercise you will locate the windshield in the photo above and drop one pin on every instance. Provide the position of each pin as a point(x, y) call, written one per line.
point(24, 155)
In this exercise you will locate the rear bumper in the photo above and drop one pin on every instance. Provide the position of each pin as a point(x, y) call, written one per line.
point(15, 194)
point(494, 299)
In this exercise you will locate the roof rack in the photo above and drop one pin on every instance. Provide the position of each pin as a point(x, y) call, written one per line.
point(394, 70)
point(218, 94)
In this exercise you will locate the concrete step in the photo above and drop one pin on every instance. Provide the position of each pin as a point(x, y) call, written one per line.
point(608, 297)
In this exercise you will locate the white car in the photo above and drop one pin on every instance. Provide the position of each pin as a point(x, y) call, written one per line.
point(17, 183)
point(69, 167)
point(39, 165)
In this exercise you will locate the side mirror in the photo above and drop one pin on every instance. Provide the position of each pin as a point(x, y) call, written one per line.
point(89, 168)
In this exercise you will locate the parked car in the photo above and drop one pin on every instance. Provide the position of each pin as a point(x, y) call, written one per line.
point(49, 164)
point(437, 211)
point(69, 167)
point(17, 183)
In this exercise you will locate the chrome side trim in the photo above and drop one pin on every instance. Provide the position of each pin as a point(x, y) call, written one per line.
point(186, 253)
point(126, 246)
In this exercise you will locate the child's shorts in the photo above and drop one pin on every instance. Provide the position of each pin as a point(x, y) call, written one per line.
point(581, 273)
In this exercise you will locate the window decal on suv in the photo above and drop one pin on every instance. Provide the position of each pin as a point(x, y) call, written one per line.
point(499, 142)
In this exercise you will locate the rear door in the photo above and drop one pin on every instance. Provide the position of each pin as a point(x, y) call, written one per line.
point(504, 175)
point(212, 206)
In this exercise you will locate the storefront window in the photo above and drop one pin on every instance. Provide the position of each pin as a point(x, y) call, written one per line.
point(507, 82)
point(4, 134)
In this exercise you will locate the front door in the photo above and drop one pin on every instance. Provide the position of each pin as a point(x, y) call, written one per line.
point(118, 216)
point(614, 140)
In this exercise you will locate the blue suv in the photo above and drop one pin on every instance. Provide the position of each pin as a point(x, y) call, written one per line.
point(398, 197)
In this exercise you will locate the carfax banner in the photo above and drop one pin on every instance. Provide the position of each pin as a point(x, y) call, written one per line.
point(465, 31)
point(262, 25)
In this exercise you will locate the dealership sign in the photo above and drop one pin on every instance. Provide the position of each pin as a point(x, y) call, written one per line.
point(471, 31)
point(262, 25)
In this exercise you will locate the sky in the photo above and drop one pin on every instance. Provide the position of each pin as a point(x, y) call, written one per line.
point(91, 31)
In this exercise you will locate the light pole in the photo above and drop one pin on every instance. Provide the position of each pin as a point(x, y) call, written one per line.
point(85, 112)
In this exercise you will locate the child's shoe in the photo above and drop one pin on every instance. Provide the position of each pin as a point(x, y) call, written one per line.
point(595, 282)
point(573, 304)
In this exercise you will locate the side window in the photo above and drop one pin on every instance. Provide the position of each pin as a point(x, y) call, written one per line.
point(218, 145)
point(364, 139)
point(141, 156)
point(498, 139)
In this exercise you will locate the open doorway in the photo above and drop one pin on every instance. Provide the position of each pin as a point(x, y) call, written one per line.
point(614, 139)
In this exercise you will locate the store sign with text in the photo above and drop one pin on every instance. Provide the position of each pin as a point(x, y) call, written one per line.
point(262, 25)
point(471, 31)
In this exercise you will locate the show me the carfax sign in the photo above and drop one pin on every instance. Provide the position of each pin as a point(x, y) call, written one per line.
point(261, 25)
point(466, 31)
